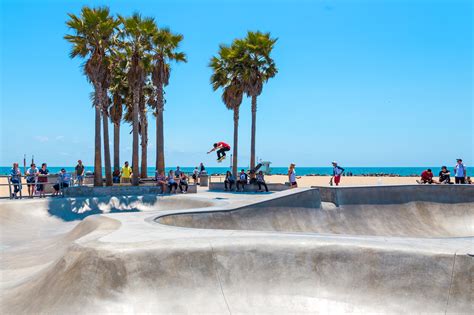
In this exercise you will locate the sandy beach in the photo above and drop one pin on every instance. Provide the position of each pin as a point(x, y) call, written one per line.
point(304, 181)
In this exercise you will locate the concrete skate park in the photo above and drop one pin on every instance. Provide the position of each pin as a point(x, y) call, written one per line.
point(384, 249)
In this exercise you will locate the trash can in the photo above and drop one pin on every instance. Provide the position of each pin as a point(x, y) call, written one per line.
point(203, 179)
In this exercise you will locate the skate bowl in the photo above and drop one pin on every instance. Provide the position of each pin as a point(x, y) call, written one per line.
point(288, 252)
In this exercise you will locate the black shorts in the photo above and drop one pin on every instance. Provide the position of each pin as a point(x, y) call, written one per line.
point(30, 181)
point(460, 180)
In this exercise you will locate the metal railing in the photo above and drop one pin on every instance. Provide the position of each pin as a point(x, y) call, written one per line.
point(33, 185)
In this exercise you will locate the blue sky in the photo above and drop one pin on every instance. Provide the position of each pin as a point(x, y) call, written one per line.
point(367, 83)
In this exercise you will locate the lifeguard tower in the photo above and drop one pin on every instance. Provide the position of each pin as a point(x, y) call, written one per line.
point(266, 167)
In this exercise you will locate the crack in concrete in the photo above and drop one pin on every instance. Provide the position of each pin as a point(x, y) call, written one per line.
point(219, 278)
point(450, 284)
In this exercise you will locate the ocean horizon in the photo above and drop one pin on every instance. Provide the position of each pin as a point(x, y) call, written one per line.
point(304, 170)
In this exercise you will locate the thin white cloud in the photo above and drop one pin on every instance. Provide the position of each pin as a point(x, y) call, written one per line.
point(59, 138)
point(41, 138)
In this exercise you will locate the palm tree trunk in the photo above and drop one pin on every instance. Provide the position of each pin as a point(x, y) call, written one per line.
point(254, 129)
point(136, 100)
point(116, 147)
point(97, 150)
point(144, 124)
point(236, 140)
point(160, 150)
point(108, 171)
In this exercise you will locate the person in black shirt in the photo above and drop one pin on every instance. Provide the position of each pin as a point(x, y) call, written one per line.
point(444, 176)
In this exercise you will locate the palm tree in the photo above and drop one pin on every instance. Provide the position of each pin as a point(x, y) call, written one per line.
point(93, 31)
point(137, 32)
point(146, 98)
point(258, 68)
point(164, 51)
point(119, 93)
point(226, 75)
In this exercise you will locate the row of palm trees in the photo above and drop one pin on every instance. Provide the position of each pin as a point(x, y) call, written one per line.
point(243, 68)
point(128, 64)
point(127, 61)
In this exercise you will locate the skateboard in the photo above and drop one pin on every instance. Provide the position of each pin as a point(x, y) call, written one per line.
point(221, 159)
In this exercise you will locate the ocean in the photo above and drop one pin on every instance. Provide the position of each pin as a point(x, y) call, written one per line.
point(398, 171)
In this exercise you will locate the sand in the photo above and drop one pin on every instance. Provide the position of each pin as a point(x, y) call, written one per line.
point(304, 181)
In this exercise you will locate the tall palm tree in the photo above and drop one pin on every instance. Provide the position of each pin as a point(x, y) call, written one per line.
point(226, 75)
point(146, 98)
point(258, 68)
point(120, 94)
point(93, 31)
point(165, 44)
point(137, 32)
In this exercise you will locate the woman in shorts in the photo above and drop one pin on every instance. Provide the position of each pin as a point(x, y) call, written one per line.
point(31, 177)
point(292, 176)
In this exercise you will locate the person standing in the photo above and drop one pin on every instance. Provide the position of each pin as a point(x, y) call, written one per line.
point(195, 175)
point(336, 173)
point(261, 182)
point(43, 179)
point(15, 178)
point(292, 176)
point(31, 178)
point(126, 174)
point(460, 172)
point(80, 173)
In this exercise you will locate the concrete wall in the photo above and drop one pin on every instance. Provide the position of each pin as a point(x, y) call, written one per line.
point(85, 191)
point(250, 187)
point(397, 194)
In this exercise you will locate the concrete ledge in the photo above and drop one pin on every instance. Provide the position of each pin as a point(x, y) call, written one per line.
point(86, 191)
point(397, 194)
point(249, 187)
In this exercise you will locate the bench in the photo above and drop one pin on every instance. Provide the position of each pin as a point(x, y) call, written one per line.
point(249, 187)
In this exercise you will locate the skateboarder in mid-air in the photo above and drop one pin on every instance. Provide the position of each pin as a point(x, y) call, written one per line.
point(221, 148)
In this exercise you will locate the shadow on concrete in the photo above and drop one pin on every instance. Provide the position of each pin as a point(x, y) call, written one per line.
point(72, 209)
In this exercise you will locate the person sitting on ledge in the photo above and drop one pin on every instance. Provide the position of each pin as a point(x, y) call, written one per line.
point(242, 181)
point(116, 177)
point(444, 176)
point(161, 181)
point(183, 182)
point(126, 174)
point(426, 177)
point(261, 181)
point(229, 180)
point(63, 182)
point(172, 185)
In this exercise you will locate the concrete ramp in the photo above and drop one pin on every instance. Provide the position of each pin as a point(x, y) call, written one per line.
point(414, 219)
point(284, 253)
